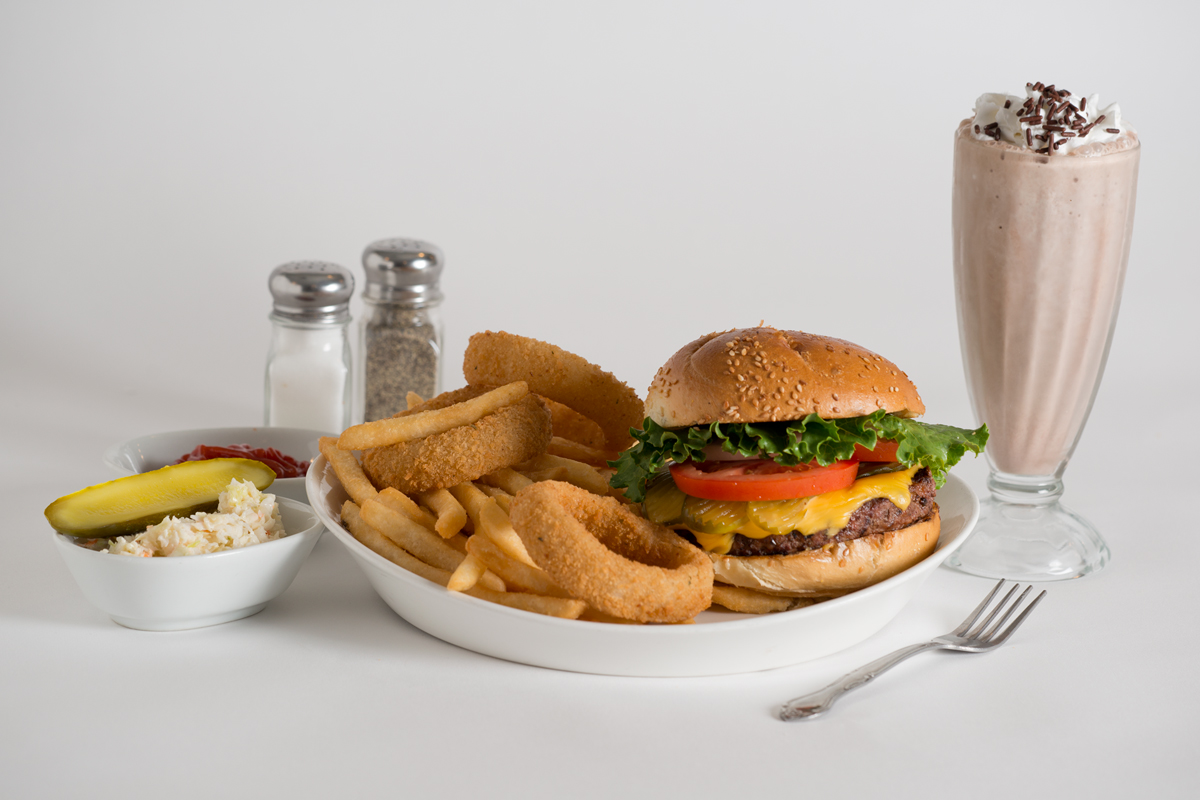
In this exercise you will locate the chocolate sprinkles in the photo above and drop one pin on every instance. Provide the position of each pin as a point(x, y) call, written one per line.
point(1053, 110)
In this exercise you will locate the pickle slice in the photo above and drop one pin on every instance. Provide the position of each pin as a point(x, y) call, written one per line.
point(866, 470)
point(780, 517)
point(714, 516)
point(664, 501)
point(131, 504)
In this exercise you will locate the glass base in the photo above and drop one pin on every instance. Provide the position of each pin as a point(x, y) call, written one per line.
point(1045, 542)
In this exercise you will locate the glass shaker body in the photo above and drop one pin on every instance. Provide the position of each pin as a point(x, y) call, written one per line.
point(308, 376)
point(400, 350)
point(400, 335)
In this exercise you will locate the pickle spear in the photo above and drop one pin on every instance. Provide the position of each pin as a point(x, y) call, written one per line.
point(131, 504)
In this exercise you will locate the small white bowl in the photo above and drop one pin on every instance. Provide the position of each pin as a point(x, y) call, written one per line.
point(174, 594)
point(157, 450)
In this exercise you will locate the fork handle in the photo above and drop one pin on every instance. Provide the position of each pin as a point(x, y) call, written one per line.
point(810, 705)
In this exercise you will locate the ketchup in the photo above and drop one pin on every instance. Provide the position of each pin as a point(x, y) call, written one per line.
point(284, 466)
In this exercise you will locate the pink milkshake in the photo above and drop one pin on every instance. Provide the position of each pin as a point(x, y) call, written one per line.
point(1044, 189)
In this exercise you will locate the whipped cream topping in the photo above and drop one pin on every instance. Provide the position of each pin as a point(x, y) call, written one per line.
point(1047, 120)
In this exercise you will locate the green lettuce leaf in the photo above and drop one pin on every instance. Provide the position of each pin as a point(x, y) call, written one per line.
point(938, 447)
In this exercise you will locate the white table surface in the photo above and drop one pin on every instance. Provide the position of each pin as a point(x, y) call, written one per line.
point(616, 179)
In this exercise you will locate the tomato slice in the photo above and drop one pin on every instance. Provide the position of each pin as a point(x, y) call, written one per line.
point(760, 479)
point(884, 451)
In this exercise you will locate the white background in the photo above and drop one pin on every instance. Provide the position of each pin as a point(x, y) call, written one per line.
point(616, 178)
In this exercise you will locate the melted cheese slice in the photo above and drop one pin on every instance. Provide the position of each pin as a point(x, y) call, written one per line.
point(826, 512)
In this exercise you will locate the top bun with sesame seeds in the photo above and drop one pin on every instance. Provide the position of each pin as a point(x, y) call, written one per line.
point(768, 375)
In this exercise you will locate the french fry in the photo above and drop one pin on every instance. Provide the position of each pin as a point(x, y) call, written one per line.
point(369, 536)
point(538, 604)
point(412, 536)
point(401, 502)
point(350, 515)
point(748, 601)
point(451, 516)
point(547, 467)
point(398, 501)
point(467, 574)
point(497, 527)
point(420, 424)
point(502, 498)
point(471, 499)
point(519, 577)
point(376, 541)
point(459, 542)
point(348, 470)
point(491, 521)
point(507, 479)
point(596, 615)
point(580, 452)
point(413, 400)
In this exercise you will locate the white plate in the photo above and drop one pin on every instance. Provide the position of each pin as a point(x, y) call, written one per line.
point(720, 644)
point(156, 450)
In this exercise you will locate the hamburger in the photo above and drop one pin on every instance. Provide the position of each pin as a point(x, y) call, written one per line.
point(794, 460)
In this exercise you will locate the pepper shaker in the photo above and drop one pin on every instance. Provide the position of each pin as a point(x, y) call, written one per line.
point(308, 366)
point(400, 344)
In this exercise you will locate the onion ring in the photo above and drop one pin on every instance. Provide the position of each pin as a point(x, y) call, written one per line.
point(513, 434)
point(498, 358)
point(603, 553)
point(569, 424)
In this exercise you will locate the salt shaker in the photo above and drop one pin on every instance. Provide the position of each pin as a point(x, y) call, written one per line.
point(400, 345)
point(308, 367)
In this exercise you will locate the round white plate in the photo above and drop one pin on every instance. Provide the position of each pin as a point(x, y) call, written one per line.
point(719, 644)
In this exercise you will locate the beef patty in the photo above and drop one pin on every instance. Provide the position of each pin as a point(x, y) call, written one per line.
point(874, 516)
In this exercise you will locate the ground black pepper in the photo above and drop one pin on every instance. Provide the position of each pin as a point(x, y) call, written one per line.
point(402, 349)
point(400, 342)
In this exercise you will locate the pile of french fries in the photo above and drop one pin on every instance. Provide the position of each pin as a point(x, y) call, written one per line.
point(425, 533)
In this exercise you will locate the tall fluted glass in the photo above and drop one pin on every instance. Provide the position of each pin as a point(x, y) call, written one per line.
point(1040, 248)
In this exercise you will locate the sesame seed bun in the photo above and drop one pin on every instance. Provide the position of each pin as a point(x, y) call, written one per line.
point(765, 375)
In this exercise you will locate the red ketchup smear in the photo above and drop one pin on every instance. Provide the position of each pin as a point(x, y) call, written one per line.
point(284, 466)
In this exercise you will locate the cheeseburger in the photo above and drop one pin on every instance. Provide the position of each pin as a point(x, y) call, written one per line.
point(793, 460)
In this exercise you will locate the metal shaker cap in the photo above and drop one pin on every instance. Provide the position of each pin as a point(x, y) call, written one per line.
point(403, 271)
point(311, 291)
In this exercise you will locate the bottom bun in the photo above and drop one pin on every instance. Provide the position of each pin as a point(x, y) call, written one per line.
point(841, 568)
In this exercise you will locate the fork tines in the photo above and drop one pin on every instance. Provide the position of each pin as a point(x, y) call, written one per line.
point(981, 632)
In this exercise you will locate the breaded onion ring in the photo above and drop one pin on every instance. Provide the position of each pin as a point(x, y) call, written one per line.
point(509, 436)
point(498, 358)
point(603, 553)
point(568, 423)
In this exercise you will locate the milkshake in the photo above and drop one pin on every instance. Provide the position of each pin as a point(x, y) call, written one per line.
point(1044, 189)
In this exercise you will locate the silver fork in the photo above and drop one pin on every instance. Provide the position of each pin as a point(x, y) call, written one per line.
point(968, 637)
